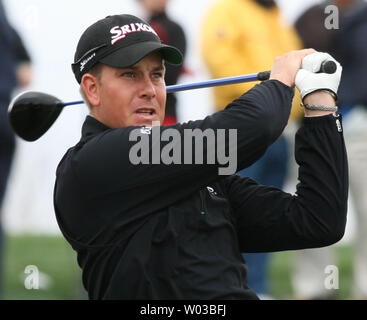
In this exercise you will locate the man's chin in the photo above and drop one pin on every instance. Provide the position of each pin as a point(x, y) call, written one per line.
point(148, 122)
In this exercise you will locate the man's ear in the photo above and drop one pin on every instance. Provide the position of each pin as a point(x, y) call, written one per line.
point(90, 85)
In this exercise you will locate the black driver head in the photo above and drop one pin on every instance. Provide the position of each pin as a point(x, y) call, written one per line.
point(32, 113)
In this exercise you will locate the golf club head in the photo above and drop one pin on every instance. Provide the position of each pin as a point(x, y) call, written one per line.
point(32, 113)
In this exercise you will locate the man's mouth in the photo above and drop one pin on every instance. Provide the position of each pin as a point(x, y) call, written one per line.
point(145, 111)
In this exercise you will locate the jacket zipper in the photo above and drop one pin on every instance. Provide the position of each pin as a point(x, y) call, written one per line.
point(202, 198)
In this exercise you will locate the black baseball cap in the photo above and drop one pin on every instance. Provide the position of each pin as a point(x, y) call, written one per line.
point(119, 41)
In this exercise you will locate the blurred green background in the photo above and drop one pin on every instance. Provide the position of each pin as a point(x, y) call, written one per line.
point(60, 276)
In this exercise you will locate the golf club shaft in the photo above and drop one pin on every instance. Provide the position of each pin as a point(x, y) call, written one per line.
point(206, 84)
point(326, 67)
point(219, 82)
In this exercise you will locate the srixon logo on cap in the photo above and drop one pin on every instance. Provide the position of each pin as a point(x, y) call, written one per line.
point(121, 32)
point(86, 60)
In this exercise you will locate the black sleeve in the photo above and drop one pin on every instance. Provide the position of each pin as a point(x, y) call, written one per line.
point(259, 116)
point(269, 219)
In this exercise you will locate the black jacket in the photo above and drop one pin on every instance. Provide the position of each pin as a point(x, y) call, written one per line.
point(157, 231)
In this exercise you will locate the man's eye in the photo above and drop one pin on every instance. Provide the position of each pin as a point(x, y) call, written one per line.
point(128, 74)
point(158, 75)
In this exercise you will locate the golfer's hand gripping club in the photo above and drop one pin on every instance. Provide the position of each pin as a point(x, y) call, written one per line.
point(310, 79)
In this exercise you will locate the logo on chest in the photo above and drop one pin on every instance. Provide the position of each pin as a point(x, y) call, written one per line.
point(211, 191)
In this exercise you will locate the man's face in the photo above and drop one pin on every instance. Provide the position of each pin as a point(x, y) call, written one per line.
point(155, 5)
point(133, 96)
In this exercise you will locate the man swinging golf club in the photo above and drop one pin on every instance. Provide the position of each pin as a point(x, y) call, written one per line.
point(176, 231)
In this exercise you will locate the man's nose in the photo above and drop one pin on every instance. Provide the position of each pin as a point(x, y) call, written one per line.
point(147, 88)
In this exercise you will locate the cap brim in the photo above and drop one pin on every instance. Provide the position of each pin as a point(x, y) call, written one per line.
point(128, 56)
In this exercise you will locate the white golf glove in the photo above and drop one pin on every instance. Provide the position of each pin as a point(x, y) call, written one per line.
point(308, 80)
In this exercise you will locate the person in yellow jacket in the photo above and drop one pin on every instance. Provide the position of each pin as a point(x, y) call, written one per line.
point(241, 37)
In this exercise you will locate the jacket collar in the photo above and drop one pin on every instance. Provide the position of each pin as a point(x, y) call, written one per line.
point(92, 126)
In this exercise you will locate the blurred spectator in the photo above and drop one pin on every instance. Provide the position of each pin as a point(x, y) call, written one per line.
point(14, 71)
point(171, 33)
point(241, 37)
point(346, 43)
